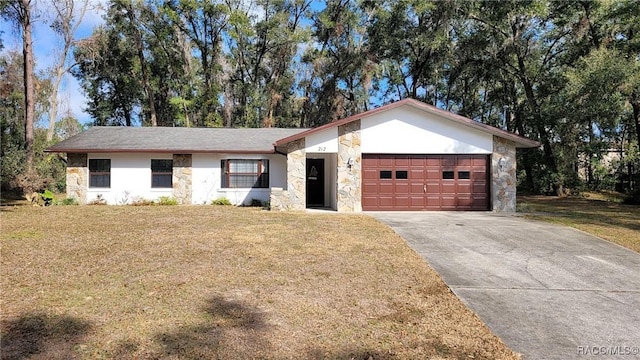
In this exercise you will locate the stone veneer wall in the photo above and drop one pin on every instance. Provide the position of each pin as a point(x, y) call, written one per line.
point(294, 197)
point(182, 178)
point(349, 176)
point(77, 177)
point(503, 175)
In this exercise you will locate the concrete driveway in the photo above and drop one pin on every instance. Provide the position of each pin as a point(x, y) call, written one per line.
point(549, 292)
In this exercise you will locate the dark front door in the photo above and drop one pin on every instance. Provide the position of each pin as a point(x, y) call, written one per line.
point(315, 182)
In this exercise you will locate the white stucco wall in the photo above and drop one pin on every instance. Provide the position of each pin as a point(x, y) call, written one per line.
point(130, 178)
point(405, 130)
point(206, 180)
point(325, 141)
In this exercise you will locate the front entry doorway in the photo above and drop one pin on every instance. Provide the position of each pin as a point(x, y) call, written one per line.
point(315, 182)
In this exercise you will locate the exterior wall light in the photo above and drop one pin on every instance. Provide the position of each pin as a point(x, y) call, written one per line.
point(350, 162)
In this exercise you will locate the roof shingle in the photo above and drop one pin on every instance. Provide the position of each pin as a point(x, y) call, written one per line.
point(174, 140)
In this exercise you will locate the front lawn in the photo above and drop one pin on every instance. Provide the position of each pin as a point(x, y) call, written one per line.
point(223, 283)
point(597, 214)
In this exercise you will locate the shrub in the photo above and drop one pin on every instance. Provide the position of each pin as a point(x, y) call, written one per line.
point(632, 198)
point(140, 201)
point(221, 201)
point(255, 203)
point(47, 197)
point(167, 200)
point(99, 200)
point(68, 201)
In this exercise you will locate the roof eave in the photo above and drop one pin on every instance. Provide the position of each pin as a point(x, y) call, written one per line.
point(161, 151)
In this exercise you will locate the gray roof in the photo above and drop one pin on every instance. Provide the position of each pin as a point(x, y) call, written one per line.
point(174, 140)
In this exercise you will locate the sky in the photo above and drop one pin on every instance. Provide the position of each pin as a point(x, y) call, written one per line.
point(45, 43)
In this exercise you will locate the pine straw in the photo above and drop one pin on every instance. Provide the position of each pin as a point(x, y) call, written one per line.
point(194, 282)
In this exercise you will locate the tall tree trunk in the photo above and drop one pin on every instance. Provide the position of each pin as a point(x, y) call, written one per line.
point(539, 124)
point(29, 89)
point(635, 105)
point(526, 157)
point(53, 101)
point(66, 17)
point(143, 68)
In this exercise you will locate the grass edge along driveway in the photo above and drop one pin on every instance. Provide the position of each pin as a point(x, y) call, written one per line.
point(222, 282)
point(598, 214)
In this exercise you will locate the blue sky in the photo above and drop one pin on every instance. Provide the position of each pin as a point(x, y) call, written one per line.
point(45, 43)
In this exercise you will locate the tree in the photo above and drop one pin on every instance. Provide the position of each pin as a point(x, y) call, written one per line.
point(342, 70)
point(106, 69)
point(203, 22)
point(68, 16)
point(20, 12)
point(47, 169)
point(263, 40)
point(412, 39)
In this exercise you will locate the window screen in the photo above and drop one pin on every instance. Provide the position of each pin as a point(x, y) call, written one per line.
point(161, 173)
point(240, 173)
point(100, 173)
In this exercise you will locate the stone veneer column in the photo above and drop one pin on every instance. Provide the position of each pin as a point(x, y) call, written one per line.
point(349, 175)
point(294, 198)
point(182, 178)
point(503, 175)
point(77, 177)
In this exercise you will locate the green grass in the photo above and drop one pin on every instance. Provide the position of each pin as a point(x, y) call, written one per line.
point(602, 215)
point(195, 282)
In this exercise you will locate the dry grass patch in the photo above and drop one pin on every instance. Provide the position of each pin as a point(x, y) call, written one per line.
point(596, 214)
point(222, 282)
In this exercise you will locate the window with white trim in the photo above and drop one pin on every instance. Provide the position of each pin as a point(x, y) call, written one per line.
point(161, 173)
point(245, 173)
point(99, 173)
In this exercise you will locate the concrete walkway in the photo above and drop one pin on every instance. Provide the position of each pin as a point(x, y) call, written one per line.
point(549, 292)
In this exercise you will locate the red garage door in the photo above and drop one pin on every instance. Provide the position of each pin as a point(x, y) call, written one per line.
point(425, 182)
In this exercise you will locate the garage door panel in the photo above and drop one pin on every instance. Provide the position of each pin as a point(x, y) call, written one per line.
point(397, 182)
point(463, 188)
point(416, 188)
point(448, 160)
point(479, 175)
point(385, 161)
point(464, 161)
point(479, 161)
point(368, 174)
point(449, 201)
point(402, 188)
point(401, 201)
point(448, 188)
point(402, 161)
point(369, 188)
point(385, 188)
point(386, 201)
point(479, 188)
point(433, 174)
